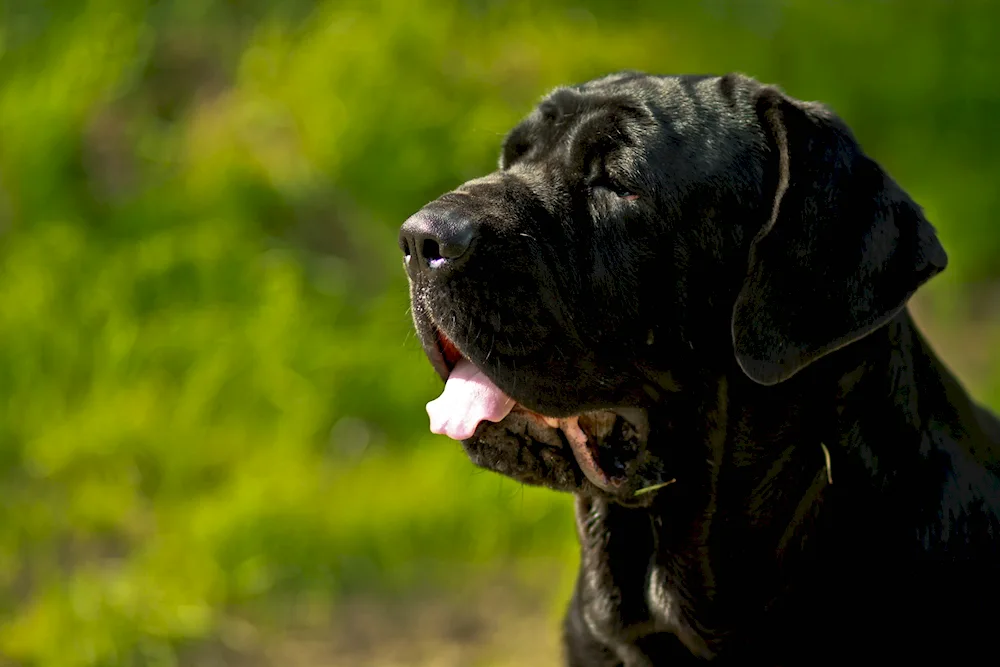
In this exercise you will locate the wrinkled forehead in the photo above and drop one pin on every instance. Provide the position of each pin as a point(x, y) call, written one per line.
point(689, 119)
point(572, 124)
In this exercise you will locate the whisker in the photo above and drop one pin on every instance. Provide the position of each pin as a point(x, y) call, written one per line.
point(493, 340)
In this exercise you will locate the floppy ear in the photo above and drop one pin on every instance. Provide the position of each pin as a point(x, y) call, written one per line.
point(844, 248)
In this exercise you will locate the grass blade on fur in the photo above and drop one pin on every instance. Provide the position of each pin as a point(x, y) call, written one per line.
point(654, 487)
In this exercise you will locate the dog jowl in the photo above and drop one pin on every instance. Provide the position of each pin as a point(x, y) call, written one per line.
point(682, 299)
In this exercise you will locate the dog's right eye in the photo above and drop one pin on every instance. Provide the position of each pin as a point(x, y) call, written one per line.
point(617, 189)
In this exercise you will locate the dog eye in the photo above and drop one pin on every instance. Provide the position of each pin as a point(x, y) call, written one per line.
point(616, 189)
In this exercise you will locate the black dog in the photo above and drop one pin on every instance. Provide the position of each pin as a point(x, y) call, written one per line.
point(684, 300)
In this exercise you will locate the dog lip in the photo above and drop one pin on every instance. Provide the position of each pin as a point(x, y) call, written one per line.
point(584, 450)
point(444, 354)
point(441, 351)
point(436, 355)
point(450, 353)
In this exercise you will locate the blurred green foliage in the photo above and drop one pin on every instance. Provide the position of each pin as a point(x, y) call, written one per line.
point(210, 395)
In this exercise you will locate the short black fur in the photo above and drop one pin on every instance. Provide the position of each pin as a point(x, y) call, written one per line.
point(724, 269)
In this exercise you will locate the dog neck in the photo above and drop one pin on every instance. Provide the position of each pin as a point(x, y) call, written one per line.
point(760, 469)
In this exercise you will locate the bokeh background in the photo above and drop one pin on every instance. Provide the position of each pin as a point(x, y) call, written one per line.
point(213, 446)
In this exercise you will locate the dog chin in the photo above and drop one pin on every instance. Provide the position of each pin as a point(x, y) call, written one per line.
point(528, 448)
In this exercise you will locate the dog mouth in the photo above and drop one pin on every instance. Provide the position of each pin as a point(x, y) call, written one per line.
point(470, 398)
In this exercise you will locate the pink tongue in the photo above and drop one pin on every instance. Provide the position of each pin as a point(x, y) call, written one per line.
point(469, 397)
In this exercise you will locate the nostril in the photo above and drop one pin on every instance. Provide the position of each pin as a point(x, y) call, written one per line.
point(434, 240)
point(431, 251)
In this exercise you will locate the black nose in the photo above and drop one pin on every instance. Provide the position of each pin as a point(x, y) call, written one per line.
point(435, 240)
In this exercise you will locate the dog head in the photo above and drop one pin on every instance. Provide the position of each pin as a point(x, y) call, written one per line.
point(642, 231)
